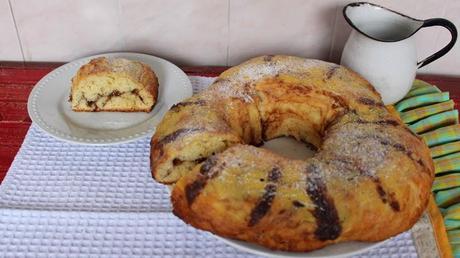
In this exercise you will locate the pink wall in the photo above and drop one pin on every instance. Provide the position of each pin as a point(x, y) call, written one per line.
point(201, 32)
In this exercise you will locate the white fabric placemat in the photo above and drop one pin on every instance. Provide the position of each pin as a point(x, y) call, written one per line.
point(65, 200)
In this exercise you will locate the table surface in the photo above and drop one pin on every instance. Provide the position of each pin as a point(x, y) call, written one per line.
point(18, 79)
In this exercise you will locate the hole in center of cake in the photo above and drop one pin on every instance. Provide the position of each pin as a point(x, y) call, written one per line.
point(290, 148)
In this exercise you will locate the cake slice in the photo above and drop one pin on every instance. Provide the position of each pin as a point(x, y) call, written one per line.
point(118, 84)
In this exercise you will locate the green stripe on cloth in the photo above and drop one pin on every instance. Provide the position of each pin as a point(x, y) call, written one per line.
point(418, 101)
point(442, 135)
point(445, 149)
point(425, 89)
point(446, 182)
point(422, 112)
point(443, 211)
point(449, 163)
point(453, 212)
point(435, 121)
point(452, 217)
point(451, 224)
point(447, 197)
point(454, 236)
point(456, 250)
point(419, 83)
point(450, 156)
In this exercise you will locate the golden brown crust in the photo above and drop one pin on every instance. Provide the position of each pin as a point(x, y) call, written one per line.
point(136, 71)
point(370, 179)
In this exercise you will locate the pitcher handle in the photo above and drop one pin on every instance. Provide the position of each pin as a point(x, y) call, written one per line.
point(453, 32)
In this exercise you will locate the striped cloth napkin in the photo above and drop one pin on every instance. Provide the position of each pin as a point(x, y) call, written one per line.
point(430, 113)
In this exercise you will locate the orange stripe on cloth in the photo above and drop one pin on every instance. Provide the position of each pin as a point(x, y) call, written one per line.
point(440, 233)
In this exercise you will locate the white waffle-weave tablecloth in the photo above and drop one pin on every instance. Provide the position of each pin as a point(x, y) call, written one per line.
point(65, 200)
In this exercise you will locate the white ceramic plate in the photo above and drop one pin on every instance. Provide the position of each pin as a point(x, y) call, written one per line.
point(49, 108)
point(337, 250)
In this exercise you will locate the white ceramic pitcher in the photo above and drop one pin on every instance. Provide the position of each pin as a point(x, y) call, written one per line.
point(382, 49)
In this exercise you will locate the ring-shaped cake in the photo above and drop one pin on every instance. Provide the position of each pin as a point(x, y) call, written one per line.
point(370, 178)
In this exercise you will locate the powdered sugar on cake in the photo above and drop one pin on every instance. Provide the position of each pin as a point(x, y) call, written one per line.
point(238, 84)
point(121, 65)
point(355, 150)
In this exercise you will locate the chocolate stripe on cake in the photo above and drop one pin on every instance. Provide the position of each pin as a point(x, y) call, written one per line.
point(158, 145)
point(114, 93)
point(89, 103)
point(264, 204)
point(178, 162)
point(298, 204)
point(339, 101)
point(328, 225)
point(194, 189)
point(207, 172)
point(136, 92)
point(385, 197)
point(219, 80)
point(350, 164)
point(399, 147)
point(379, 122)
point(177, 134)
point(177, 106)
point(268, 58)
point(331, 72)
point(370, 102)
point(309, 145)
